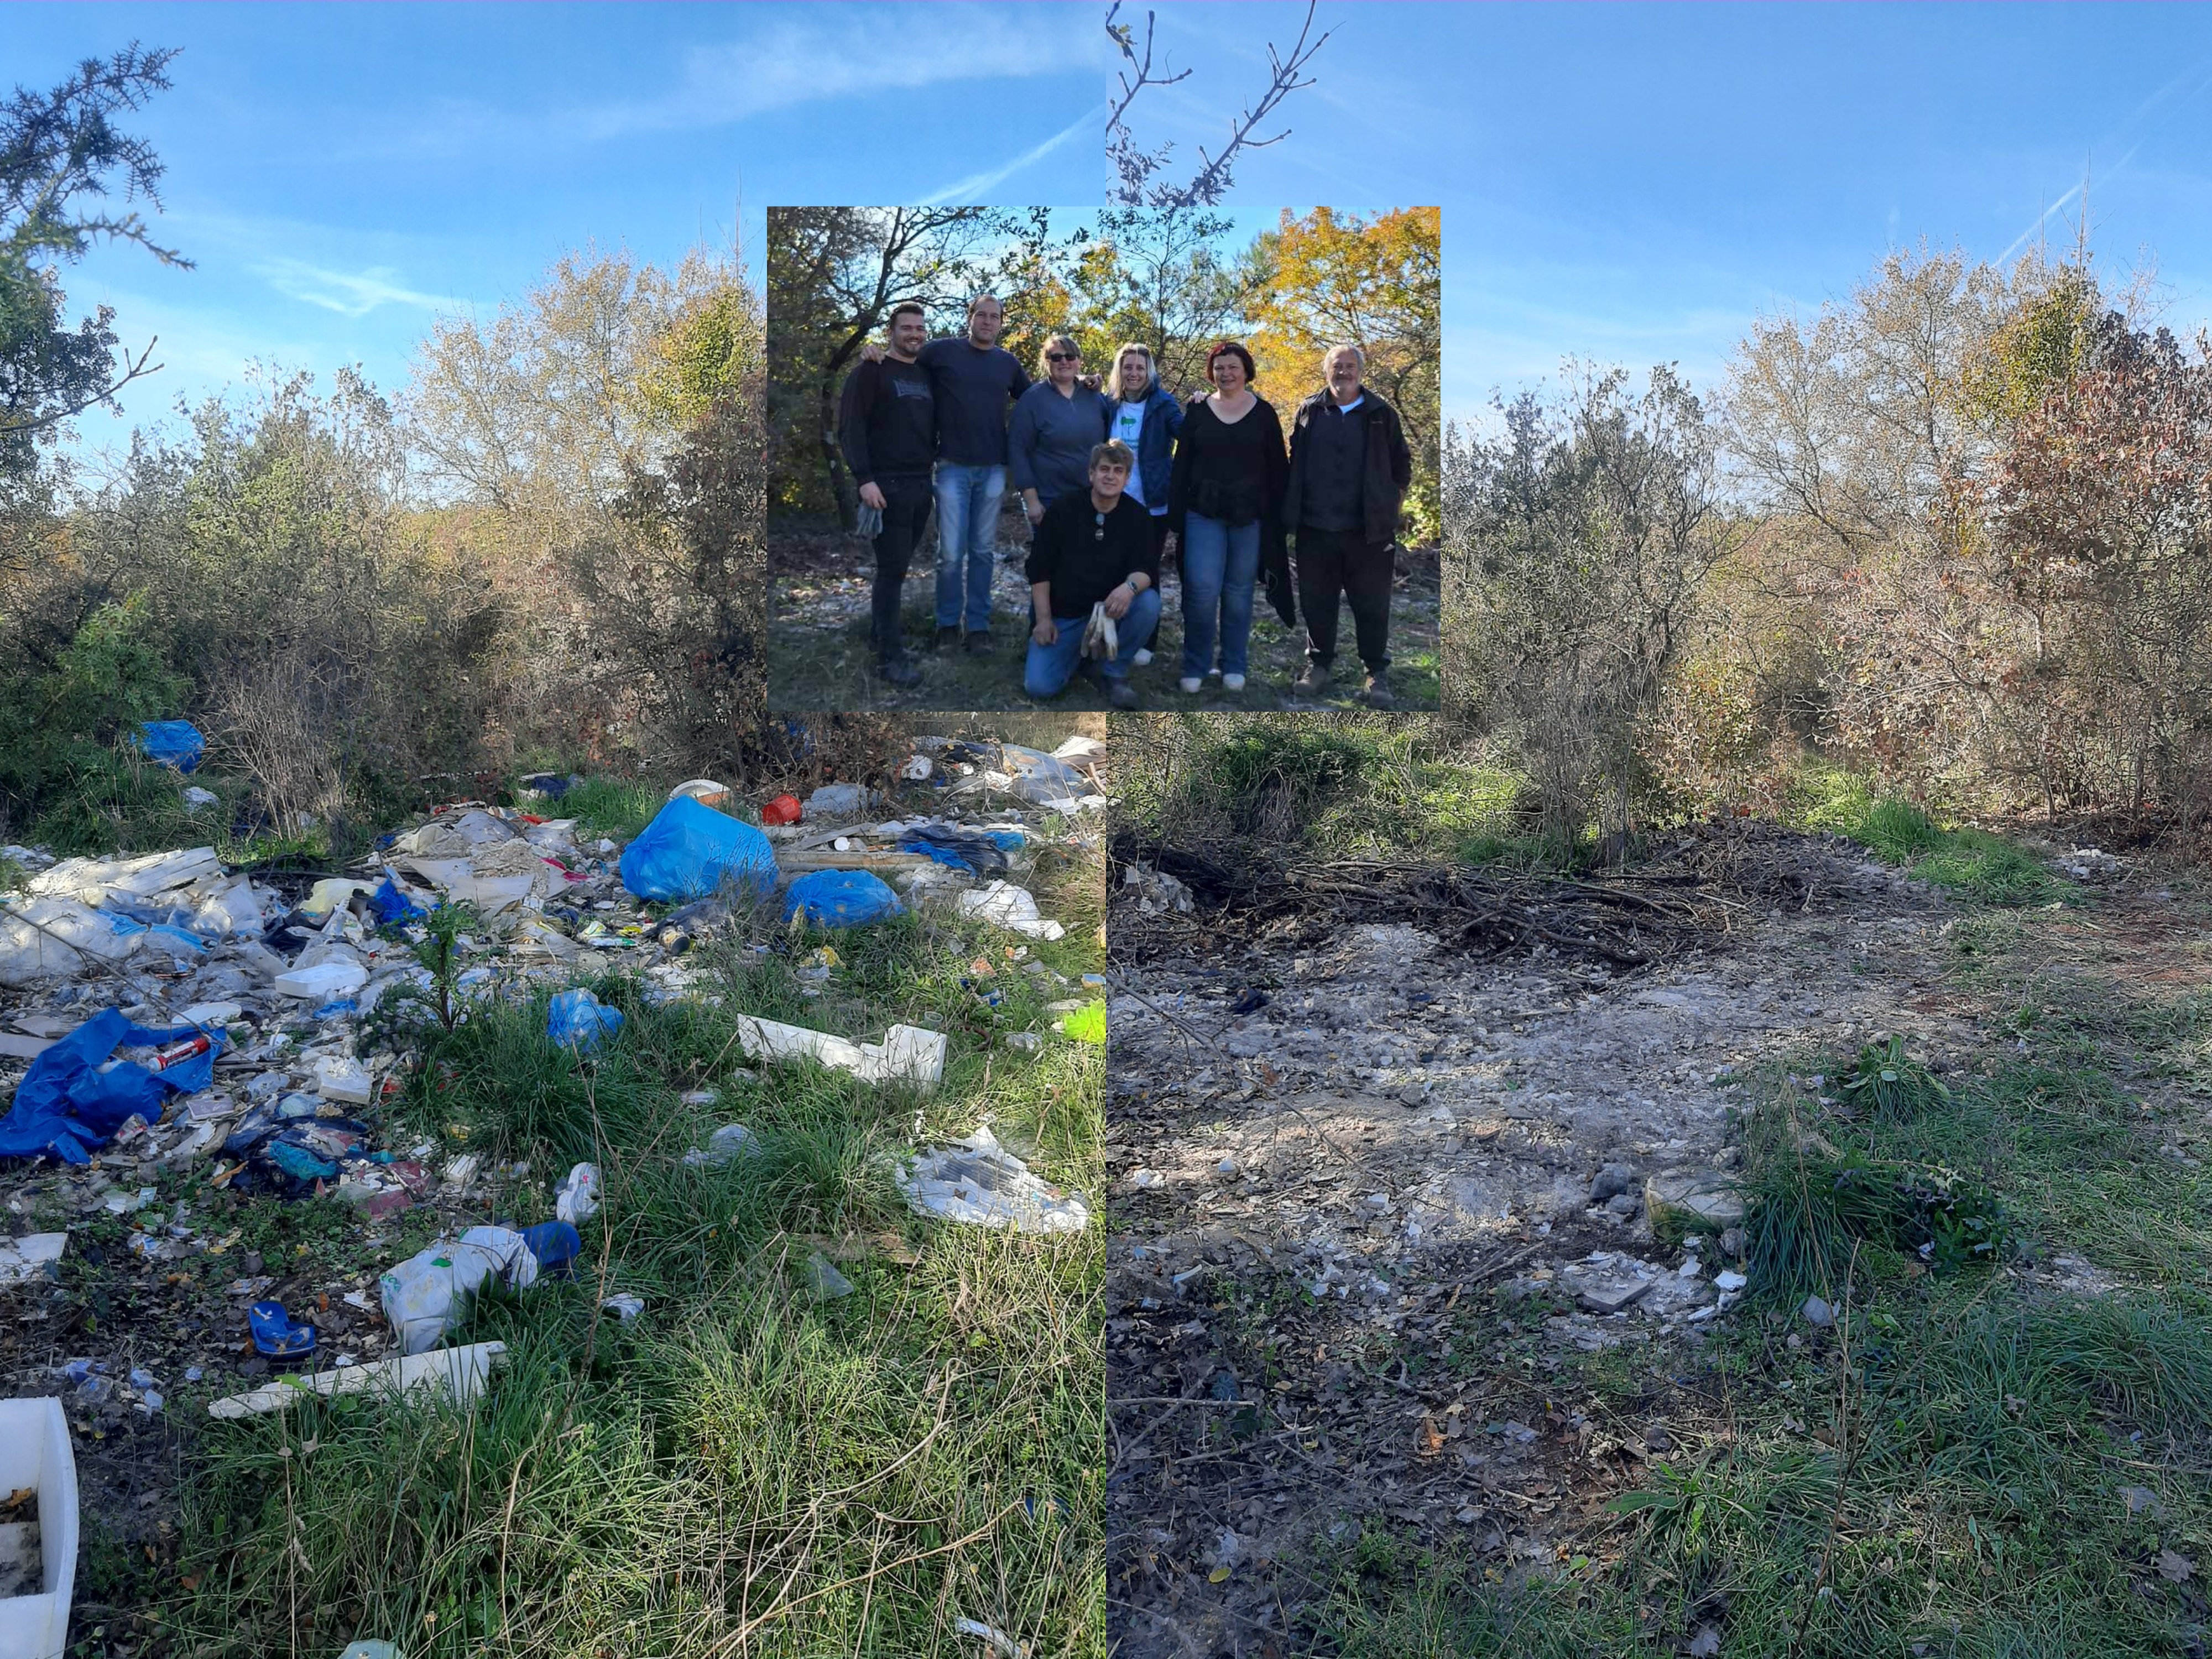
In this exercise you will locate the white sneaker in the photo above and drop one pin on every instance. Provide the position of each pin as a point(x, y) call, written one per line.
point(1188, 687)
point(1233, 682)
point(1142, 659)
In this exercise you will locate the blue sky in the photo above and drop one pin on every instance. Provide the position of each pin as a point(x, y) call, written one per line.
point(1628, 184)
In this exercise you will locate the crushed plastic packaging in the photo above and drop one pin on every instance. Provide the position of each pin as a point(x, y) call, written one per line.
point(1010, 907)
point(578, 1199)
point(29, 1257)
point(727, 1143)
point(275, 1334)
point(679, 930)
point(428, 1294)
point(840, 898)
point(908, 1054)
point(173, 743)
point(625, 1306)
point(196, 797)
point(837, 801)
point(72, 1102)
point(690, 852)
point(980, 1182)
point(575, 1019)
point(997, 1640)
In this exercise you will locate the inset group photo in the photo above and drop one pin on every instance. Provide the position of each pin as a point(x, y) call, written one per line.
point(1127, 458)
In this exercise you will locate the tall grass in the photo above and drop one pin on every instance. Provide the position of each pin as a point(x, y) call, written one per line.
point(744, 1468)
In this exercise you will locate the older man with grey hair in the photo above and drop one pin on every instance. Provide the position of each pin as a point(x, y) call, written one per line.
point(1350, 469)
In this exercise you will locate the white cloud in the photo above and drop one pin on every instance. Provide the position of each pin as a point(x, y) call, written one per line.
point(889, 49)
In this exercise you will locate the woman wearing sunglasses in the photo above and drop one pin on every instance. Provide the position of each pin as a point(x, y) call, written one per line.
point(1056, 423)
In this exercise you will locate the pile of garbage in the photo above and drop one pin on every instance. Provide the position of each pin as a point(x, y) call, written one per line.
point(165, 1011)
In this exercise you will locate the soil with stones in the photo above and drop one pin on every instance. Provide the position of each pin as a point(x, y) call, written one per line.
point(1382, 1161)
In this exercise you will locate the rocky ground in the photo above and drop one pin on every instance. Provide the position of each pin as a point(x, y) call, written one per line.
point(1382, 1200)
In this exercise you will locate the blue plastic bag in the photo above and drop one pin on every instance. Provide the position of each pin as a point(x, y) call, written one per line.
point(556, 1244)
point(173, 743)
point(67, 1106)
point(391, 905)
point(688, 851)
point(573, 1019)
point(840, 898)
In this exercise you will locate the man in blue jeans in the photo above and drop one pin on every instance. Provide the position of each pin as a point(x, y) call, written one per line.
point(1094, 549)
point(975, 381)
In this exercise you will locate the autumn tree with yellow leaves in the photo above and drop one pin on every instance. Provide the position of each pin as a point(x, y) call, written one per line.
point(1333, 278)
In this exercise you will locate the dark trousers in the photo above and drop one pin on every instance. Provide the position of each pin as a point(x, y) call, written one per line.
point(906, 515)
point(1340, 562)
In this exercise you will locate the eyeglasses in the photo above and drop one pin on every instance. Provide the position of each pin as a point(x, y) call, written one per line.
point(1063, 356)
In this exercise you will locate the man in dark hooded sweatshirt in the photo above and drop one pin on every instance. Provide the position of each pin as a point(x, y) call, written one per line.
point(887, 427)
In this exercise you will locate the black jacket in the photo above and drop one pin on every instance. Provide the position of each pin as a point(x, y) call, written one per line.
point(1390, 470)
point(1198, 422)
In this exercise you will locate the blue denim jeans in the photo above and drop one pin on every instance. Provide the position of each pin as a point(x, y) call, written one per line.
point(1220, 565)
point(1050, 667)
point(967, 499)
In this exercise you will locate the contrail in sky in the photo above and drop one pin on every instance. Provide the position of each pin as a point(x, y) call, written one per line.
point(975, 183)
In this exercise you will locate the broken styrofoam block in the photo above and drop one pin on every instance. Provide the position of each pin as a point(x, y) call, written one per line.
point(36, 1454)
point(212, 1014)
point(323, 981)
point(979, 1182)
point(337, 1078)
point(908, 1053)
point(23, 1258)
point(461, 1371)
point(1010, 907)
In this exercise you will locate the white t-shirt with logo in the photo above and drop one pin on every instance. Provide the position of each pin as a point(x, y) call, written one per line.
point(1129, 427)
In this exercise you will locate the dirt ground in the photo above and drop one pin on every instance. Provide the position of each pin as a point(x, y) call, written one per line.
point(819, 658)
point(1356, 1272)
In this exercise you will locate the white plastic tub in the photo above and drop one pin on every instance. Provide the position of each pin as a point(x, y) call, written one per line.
point(34, 1451)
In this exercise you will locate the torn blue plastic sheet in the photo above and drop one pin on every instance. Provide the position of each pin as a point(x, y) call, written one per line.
point(979, 853)
point(840, 898)
point(67, 1106)
point(689, 852)
point(173, 743)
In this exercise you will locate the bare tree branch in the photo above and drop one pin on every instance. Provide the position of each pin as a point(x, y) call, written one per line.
point(1137, 166)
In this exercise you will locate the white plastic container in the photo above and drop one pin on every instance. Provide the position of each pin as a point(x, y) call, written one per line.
point(34, 1451)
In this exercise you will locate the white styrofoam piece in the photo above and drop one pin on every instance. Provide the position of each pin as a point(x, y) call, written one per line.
point(462, 1371)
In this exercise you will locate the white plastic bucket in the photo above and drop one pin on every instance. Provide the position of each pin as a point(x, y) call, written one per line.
point(34, 1451)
